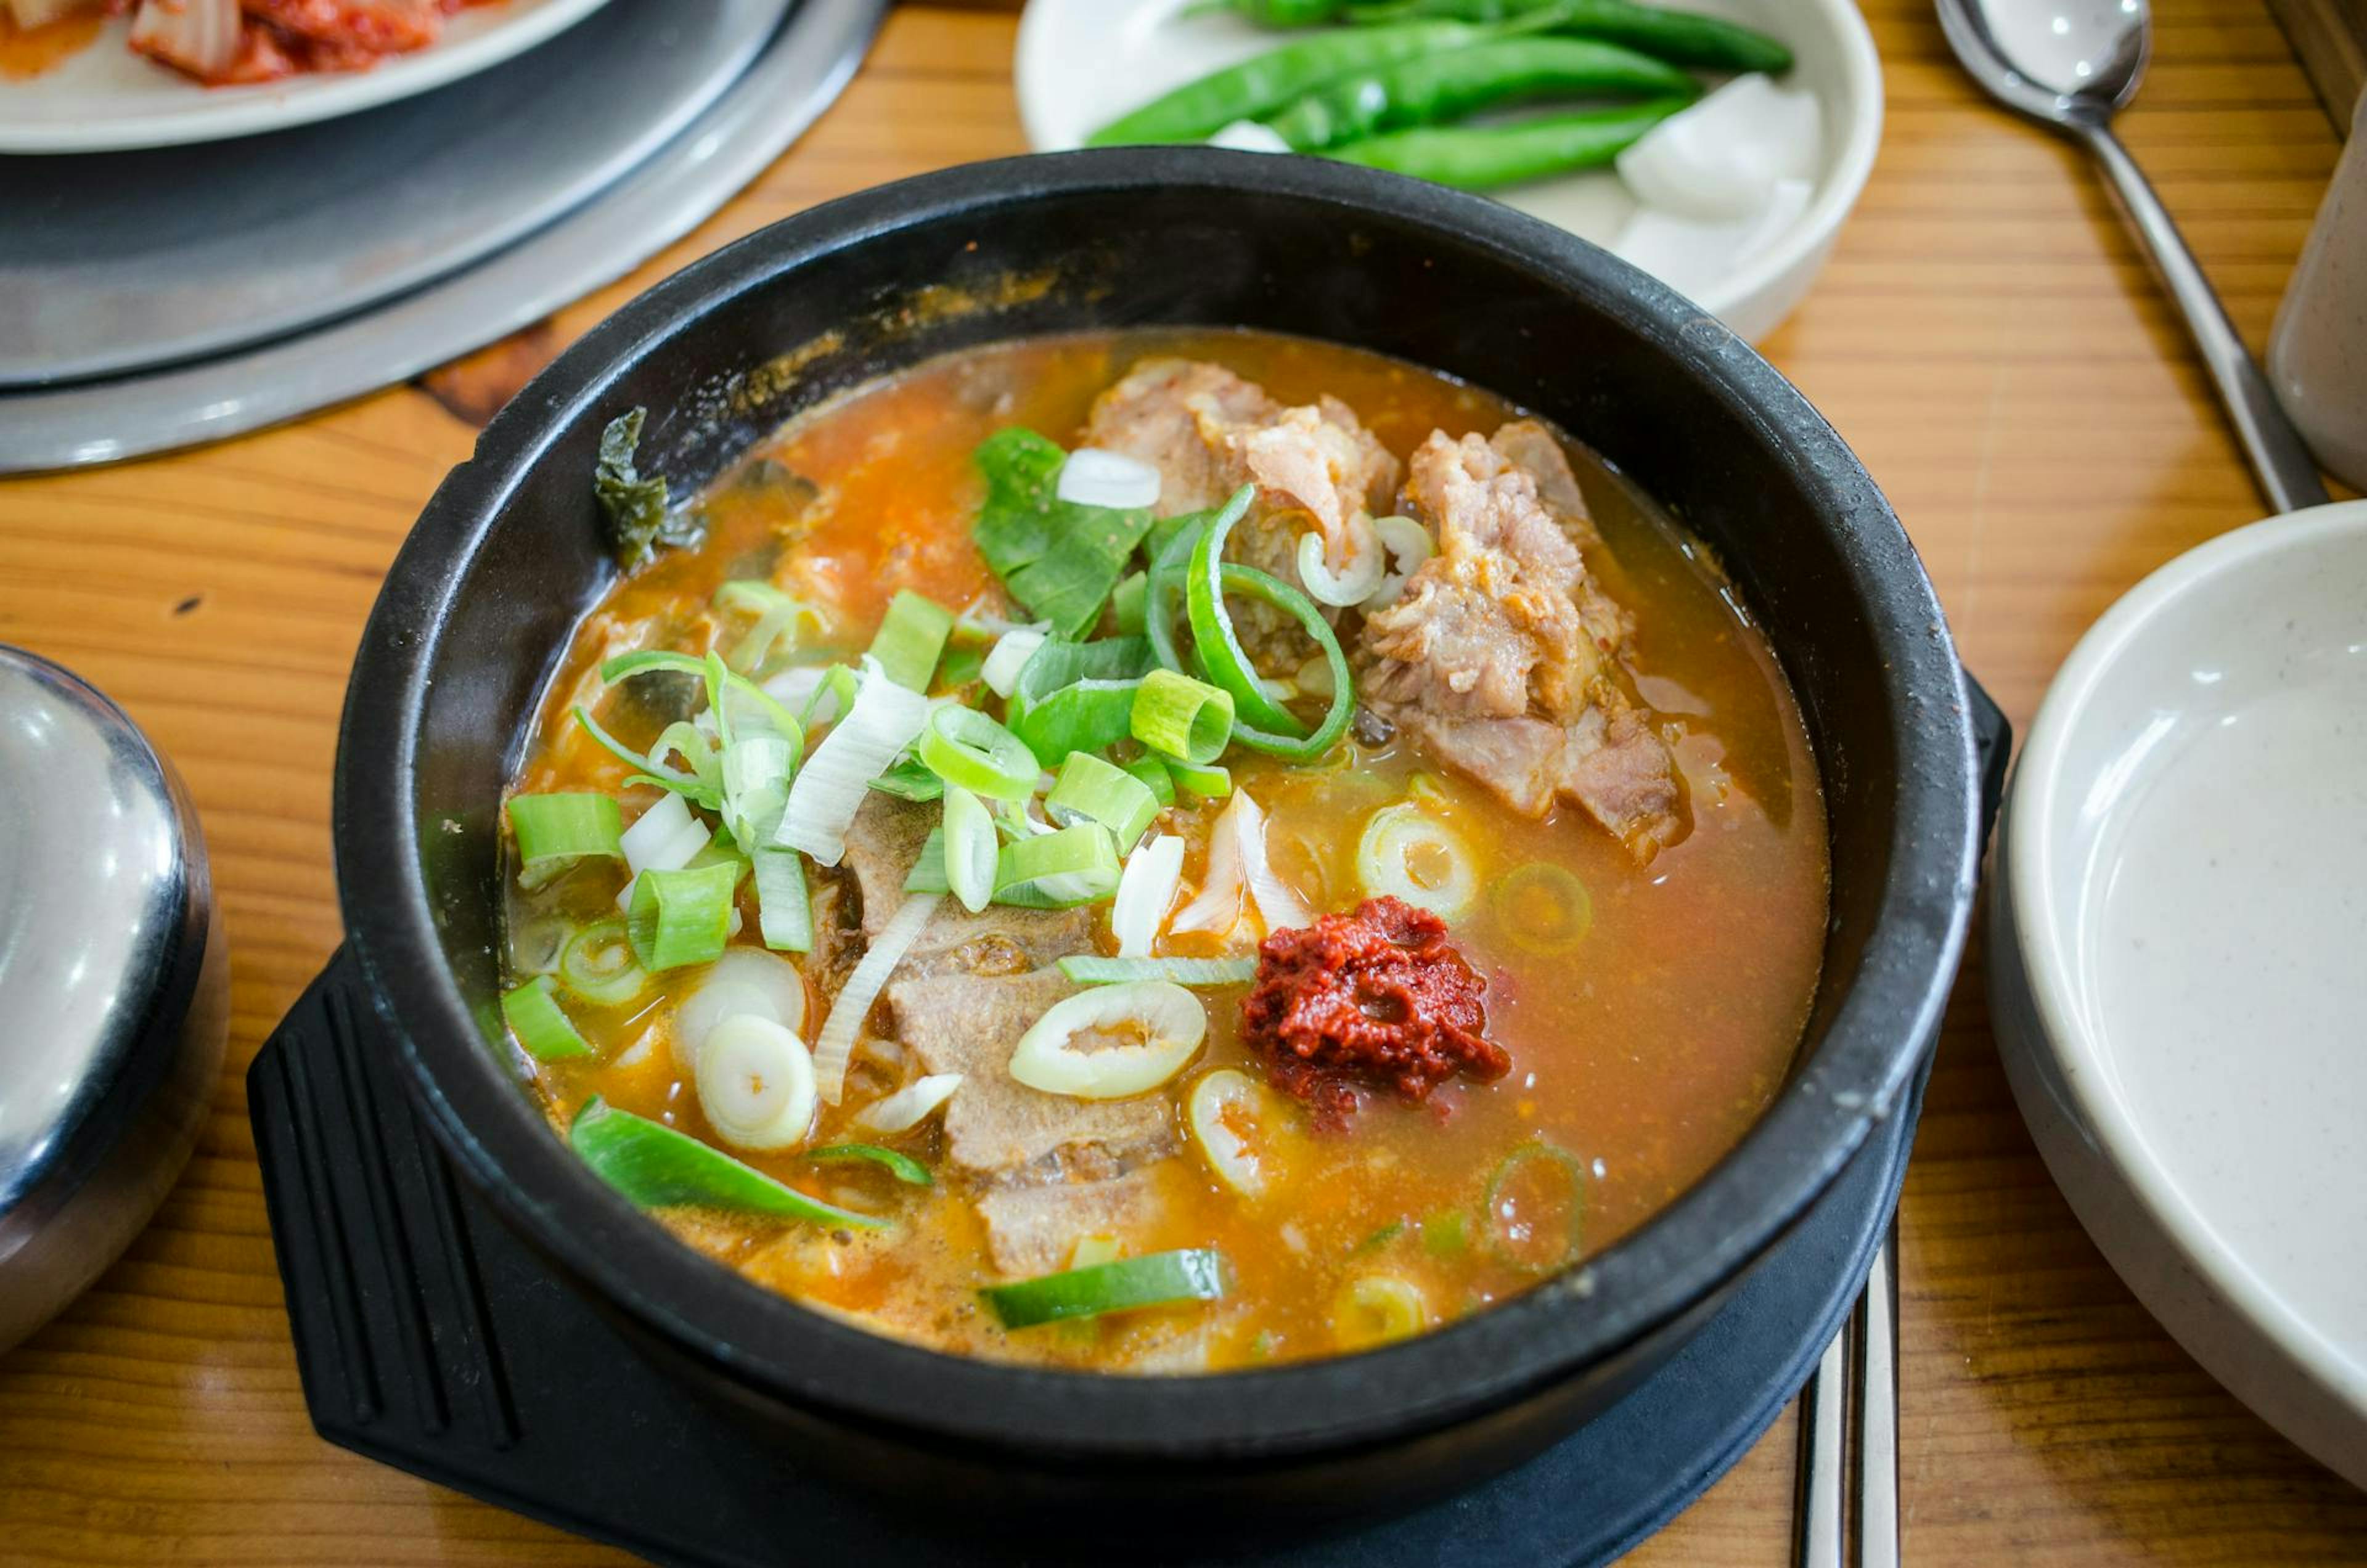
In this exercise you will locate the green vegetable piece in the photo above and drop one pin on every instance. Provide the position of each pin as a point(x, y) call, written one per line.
point(1485, 157)
point(784, 910)
point(1092, 969)
point(1071, 865)
point(1158, 1279)
point(1262, 724)
point(1260, 86)
point(632, 507)
point(1201, 784)
point(928, 873)
point(1181, 717)
point(541, 1026)
point(962, 746)
point(597, 965)
point(911, 639)
point(556, 831)
point(1378, 1239)
point(682, 916)
point(1434, 88)
point(1060, 559)
point(971, 849)
point(1446, 1233)
point(1543, 908)
point(1091, 790)
point(1152, 772)
point(910, 779)
point(1086, 716)
point(657, 1167)
point(1681, 38)
point(902, 1166)
point(1125, 602)
point(959, 668)
point(1523, 1238)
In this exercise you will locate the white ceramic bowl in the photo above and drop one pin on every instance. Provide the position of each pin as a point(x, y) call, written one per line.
point(2177, 959)
point(1084, 62)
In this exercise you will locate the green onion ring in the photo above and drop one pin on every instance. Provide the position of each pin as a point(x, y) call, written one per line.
point(963, 746)
point(598, 967)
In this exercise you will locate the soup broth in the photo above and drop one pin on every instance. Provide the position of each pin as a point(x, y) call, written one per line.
point(1649, 1003)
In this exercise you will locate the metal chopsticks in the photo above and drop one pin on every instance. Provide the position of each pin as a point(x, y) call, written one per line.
point(1849, 1447)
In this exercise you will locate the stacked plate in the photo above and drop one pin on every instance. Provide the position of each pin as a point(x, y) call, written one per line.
point(185, 263)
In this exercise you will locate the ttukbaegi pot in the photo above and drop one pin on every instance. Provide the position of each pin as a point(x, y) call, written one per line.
point(508, 555)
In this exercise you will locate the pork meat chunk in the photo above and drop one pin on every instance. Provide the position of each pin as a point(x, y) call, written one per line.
point(1503, 653)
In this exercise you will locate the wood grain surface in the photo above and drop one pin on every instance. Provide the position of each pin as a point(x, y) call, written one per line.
point(1987, 336)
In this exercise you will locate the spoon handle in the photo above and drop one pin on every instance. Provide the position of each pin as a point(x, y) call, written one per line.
point(2287, 475)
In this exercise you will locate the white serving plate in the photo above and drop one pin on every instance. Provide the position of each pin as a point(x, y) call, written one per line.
point(2177, 959)
point(1084, 62)
point(105, 98)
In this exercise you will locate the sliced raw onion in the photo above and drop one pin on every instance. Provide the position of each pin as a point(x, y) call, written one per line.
point(910, 1106)
point(971, 849)
point(807, 689)
point(671, 844)
point(1410, 854)
point(829, 790)
point(1409, 544)
point(1218, 907)
point(1093, 477)
point(1157, 1028)
point(1278, 906)
point(756, 1084)
point(1146, 891)
point(1225, 1109)
point(836, 1044)
point(1353, 583)
point(744, 981)
point(1008, 656)
point(1721, 157)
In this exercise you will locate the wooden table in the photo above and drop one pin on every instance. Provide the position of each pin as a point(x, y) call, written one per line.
point(1987, 336)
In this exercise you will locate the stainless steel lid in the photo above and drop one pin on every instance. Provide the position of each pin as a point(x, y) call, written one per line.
point(112, 984)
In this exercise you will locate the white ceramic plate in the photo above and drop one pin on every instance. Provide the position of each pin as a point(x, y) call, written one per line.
point(1084, 62)
point(105, 98)
point(2179, 959)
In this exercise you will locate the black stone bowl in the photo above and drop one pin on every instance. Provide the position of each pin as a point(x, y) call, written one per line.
point(508, 557)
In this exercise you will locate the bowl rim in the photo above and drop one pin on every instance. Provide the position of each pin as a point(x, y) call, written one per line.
point(768, 1344)
point(1847, 167)
point(2080, 1070)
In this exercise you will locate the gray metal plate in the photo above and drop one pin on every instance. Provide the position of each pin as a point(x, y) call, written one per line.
point(124, 262)
point(798, 71)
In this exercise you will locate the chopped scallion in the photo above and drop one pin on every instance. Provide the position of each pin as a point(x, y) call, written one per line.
point(1153, 773)
point(1179, 716)
point(1204, 783)
point(1091, 969)
point(540, 1025)
point(902, 1166)
point(971, 849)
point(963, 746)
point(682, 916)
point(555, 831)
point(784, 915)
point(928, 873)
point(1071, 865)
point(1127, 603)
point(911, 639)
point(597, 965)
point(910, 779)
point(1091, 790)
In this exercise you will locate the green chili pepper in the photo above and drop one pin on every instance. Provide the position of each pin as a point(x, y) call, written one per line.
point(1260, 86)
point(1274, 13)
point(1681, 38)
point(1437, 87)
point(1483, 157)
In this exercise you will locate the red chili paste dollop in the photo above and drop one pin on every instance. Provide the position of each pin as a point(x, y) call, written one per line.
point(1378, 996)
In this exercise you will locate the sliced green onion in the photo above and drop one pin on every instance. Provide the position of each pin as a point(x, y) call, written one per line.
point(597, 965)
point(1378, 1239)
point(555, 831)
point(1057, 664)
point(910, 779)
point(1543, 908)
point(756, 786)
point(1153, 773)
point(649, 771)
point(911, 639)
point(1181, 717)
point(1085, 717)
point(684, 739)
point(1073, 865)
point(902, 1166)
point(784, 914)
point(1091, 790)
point(536, 942)
point(776, 613)
point(972, 850)
point(656, 1167)
point(541, 1026)
point(963, 746)
point(1376, 1309)
point(1407, 853)
point(959, 668)
point(835, 684)
point(682, 916)
point(1127, 603)
point(1206, 784)
point(624, 666)
point(1012, 651)
point(1158, 1279)
point(883, 719)
point(1091, 969)
point(1446, 1233)
point(1523, 1230)
point(928, 873)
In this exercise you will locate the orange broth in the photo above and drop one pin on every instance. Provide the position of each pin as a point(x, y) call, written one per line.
point(1642, 1051)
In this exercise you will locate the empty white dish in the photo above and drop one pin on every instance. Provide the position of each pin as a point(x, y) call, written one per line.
point(1084, 62)
point(2177, 959)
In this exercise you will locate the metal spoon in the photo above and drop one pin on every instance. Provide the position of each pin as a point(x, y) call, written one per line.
point(2070, 64)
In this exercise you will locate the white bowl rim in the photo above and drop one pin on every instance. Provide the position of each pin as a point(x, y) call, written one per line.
point(1847, 170)
point(2032, 804)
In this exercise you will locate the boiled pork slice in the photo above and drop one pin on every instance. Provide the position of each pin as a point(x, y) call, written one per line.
point(1502, 655)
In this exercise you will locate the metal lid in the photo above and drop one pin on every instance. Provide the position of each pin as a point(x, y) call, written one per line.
point(104, 929)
